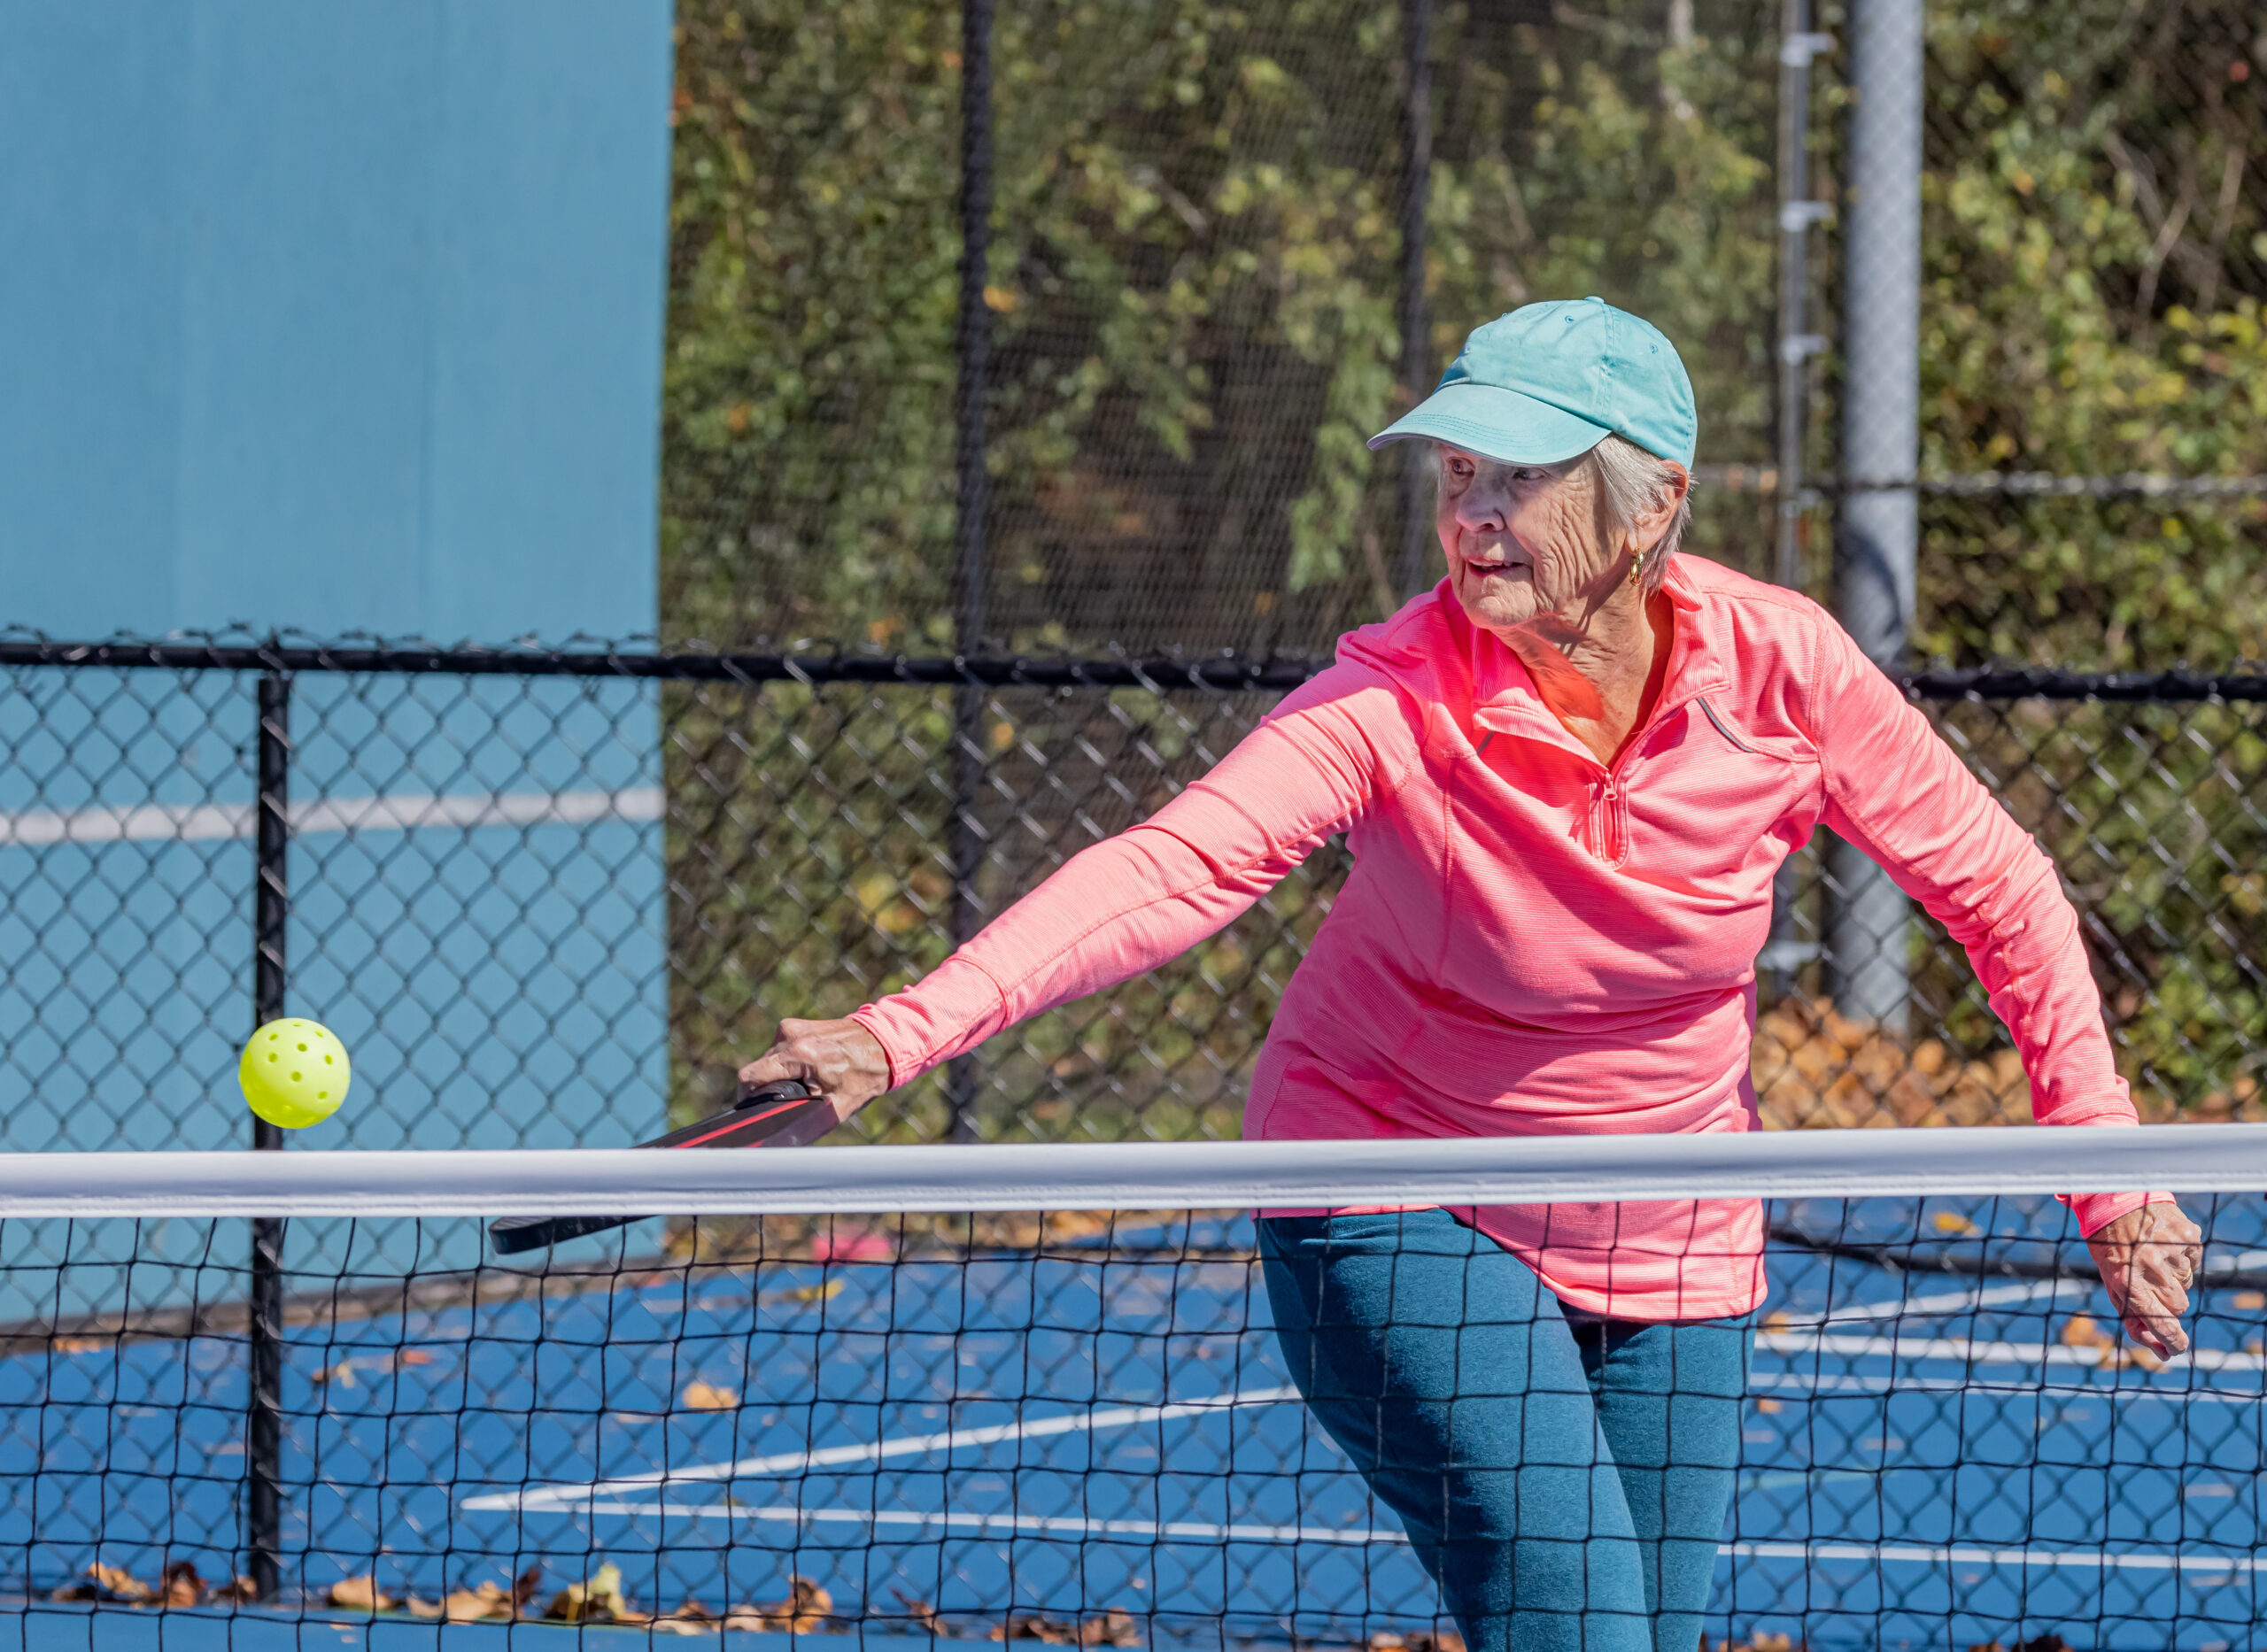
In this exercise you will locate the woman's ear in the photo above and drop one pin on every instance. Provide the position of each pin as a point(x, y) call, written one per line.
point(1646, 532)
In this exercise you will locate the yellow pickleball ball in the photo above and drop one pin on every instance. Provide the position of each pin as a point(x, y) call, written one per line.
point(294, 1072)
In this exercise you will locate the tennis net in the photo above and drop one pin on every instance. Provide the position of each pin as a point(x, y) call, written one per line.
point(1038, 1393)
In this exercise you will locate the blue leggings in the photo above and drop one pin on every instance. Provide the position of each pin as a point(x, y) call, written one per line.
point(1565, 1481)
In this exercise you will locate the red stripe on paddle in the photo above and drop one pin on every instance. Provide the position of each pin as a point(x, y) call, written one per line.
point(742, 1120)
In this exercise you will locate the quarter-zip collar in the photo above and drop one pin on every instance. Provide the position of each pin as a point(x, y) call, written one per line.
point(1505, 700)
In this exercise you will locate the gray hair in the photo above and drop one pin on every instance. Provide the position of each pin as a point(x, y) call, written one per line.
point(1631, 483)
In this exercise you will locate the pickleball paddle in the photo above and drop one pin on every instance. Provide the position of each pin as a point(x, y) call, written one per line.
point(786, 1113)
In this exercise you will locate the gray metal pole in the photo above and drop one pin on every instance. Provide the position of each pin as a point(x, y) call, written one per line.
point(1787, 951)
point(1869, 927)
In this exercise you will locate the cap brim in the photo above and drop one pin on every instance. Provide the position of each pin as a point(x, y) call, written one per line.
point(1505, 426)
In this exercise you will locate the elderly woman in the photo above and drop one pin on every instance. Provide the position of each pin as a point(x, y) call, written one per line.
point(1568, 775)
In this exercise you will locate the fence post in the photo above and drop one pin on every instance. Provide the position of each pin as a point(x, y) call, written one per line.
point(972, 499)
point(1869, 930)
point(1787, 951)
point(1416, 324)
point(264, 1329)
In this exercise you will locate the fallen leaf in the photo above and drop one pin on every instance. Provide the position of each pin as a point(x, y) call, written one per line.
point(1115, 1628)
point(78, 1345)
point(1045, 1630)
point(477, 1604)
point(1777, 1320)
point(1385, 1640)
point(2080, 1332)
point(412, 1356)
point(598, 1599)
point(358, 1594)
point(180, 1585)
point(421, 1609)
point(1442, 1640)
point(804, 1612)
point(1769, 1406)
point(921, 1612)
point(108, 1582)
point(707, 1396)
point(2249, 1300)
point(1953, 1222)
point(242, 1592)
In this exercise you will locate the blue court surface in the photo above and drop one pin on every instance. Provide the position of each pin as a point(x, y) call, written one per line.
point(1928, 1459)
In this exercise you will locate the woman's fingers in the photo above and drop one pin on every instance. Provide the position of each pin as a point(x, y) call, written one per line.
point(2149, 1259)
point(2153, 1314)
point(840, 1059)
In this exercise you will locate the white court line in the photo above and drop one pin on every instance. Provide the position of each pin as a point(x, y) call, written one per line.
point(211, 823)
point(1007, 1524)
point(1958, 1302)
point(604, 1498)
point(947, 1521)
point(1892, 1383)
point(2078, 1560)
point(792, 1462)
point(587, 1496)
point(1949, 1305)
point(1966, 1351)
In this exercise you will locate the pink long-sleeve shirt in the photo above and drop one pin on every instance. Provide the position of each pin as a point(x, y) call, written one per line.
point(1532, 942)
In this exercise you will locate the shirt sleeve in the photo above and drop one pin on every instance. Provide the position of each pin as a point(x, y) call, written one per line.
point(1898, 791)
point(1331, 749)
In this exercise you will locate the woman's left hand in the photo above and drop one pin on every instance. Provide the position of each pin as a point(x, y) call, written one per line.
point(2148, 1258)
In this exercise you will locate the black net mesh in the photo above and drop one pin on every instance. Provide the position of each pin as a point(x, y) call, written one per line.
point(1086, 1428)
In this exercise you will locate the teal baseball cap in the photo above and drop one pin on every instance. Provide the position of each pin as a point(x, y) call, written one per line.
point(1550, 381)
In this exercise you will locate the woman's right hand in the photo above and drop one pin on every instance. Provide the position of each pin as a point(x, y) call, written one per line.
point(840, 1059)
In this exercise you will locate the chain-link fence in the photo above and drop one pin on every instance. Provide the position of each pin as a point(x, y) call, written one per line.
point(552, 899)
point(1196, 300)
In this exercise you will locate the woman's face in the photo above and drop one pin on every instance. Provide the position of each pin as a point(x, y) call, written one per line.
point(1523, 541)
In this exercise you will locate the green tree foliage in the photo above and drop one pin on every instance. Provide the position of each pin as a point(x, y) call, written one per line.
point(1193, 288)
point(2096, 254)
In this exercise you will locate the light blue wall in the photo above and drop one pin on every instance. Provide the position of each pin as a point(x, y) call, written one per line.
point(329, 315)
point(336, 316)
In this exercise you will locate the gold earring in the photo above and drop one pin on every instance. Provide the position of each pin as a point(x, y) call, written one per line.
point(1637, 563)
